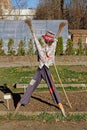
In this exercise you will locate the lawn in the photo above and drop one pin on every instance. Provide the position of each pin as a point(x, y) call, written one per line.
point(76, 74)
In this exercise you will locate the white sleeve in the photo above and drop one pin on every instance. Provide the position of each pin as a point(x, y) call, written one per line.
point(52, 48)
point(38, 46)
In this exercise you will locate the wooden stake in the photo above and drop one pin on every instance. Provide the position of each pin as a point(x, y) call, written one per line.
point(62, 86)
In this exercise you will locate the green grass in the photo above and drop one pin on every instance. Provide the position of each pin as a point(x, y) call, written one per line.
point(23, 75)
point(46, 89)
point(69, 75)
point(46, 117)
point(13, 75)
point(66, 88)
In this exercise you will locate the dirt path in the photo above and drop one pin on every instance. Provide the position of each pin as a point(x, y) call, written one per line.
point(13, 61)
point(37, 125)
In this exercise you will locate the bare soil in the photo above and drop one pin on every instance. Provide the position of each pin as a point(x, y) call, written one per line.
point(37, 125)
point(42, 102)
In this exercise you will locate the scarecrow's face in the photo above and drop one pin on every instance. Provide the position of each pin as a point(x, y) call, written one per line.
point(49, 42)
point(48, 38)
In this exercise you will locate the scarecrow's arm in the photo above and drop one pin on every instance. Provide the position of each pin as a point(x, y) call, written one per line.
point(37, 43)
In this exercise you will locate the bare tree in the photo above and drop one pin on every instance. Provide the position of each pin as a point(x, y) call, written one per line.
point(75, 13)
point(50, 9)
point(5, 8)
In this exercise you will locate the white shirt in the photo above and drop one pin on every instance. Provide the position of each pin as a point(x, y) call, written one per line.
point(46, 53)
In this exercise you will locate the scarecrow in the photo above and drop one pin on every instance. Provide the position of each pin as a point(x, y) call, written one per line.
point(46, 55)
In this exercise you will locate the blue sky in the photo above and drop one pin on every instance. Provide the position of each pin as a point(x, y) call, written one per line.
point(30, 3)
point(34, 3)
